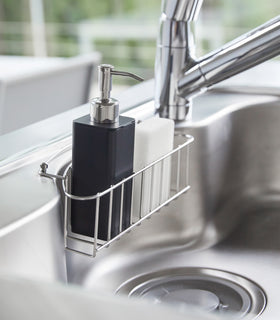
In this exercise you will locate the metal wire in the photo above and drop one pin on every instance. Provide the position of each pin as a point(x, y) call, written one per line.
point(181, 187)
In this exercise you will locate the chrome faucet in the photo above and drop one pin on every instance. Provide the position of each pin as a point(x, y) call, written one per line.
point(179, 75)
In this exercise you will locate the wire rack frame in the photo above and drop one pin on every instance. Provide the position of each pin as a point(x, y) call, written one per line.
point(153, 187)
point(176, 162)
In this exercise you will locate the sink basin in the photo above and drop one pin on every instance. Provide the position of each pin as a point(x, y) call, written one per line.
point(224, 231)
point(216, 247)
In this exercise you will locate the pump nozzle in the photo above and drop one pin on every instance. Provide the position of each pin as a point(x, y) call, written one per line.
point(106, 109)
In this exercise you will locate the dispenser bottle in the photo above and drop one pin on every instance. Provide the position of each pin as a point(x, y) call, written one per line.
point(102, 155)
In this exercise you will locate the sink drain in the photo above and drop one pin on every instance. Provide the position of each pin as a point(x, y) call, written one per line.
point(208, 289)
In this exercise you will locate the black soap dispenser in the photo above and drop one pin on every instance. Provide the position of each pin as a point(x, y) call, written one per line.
point(102, 155)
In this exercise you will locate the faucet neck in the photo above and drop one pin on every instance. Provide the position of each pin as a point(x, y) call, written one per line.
point(179, 10)
point(175, 54)
point(175, 51)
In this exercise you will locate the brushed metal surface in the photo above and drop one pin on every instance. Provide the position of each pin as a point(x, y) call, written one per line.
point(230, 218)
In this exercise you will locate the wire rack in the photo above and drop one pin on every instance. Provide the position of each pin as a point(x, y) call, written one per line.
point(153, 187)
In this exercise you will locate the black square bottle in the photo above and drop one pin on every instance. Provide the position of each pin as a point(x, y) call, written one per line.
point(102, 155)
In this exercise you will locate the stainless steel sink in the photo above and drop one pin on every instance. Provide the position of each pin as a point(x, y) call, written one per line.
point(227, 226)
point(216, 247)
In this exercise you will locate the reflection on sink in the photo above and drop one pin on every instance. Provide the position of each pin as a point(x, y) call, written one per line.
point(229, 220)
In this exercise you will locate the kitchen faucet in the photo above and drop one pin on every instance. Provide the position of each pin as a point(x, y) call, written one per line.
point(179, 75)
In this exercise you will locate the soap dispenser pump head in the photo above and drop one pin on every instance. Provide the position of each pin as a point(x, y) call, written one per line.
point(105, 109)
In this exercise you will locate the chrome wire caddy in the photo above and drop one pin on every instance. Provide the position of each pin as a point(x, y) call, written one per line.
point(153, 187)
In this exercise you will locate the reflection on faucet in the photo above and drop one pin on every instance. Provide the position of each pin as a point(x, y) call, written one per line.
point(179, 75)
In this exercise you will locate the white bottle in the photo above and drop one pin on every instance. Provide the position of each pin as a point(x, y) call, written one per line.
point(153, 139)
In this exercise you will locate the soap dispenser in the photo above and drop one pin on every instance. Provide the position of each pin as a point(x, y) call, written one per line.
point(102, 155)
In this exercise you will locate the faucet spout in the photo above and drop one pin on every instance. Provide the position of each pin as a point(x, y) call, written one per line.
point(245, 52)
point(179, 75)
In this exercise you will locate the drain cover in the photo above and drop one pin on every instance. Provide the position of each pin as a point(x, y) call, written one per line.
point(208, 289)
point(206, 300)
